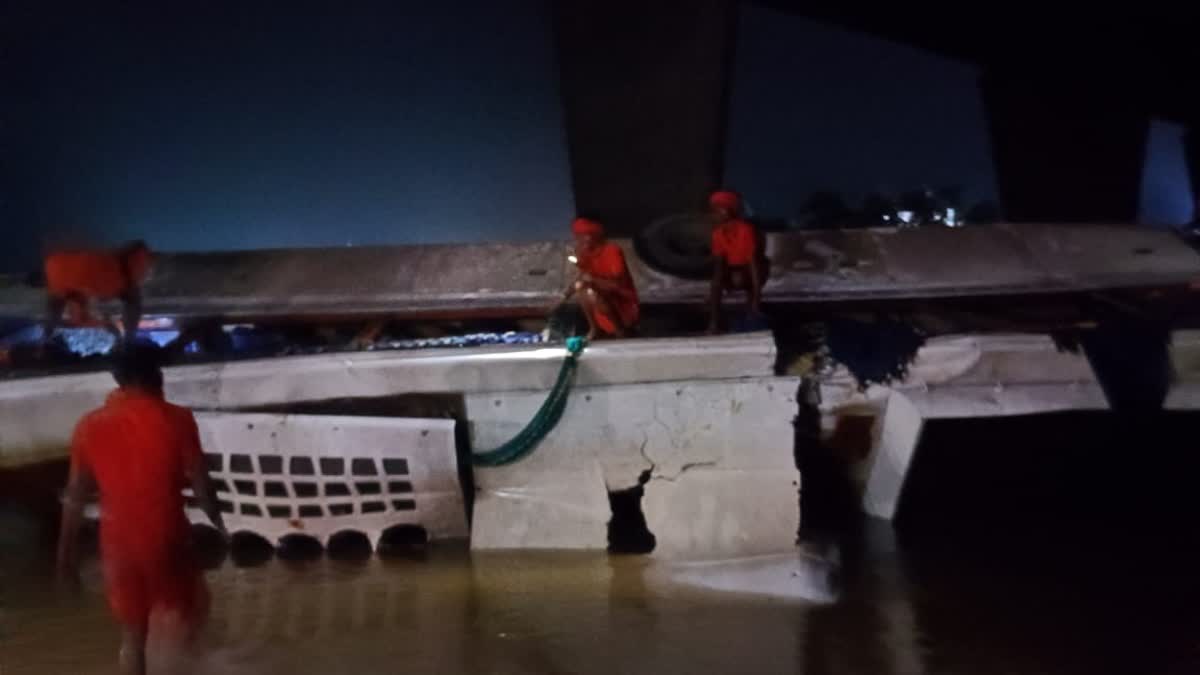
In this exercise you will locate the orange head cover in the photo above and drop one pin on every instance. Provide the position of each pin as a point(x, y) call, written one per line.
point(725, 200)
point(586, 226)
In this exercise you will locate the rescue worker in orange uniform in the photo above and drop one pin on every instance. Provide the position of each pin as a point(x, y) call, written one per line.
point(75, 278)
point(139, 451)
point(738, 259)
point(604, 287)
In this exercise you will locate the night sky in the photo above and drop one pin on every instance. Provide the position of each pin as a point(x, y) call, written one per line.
point(819, 108)
point(215, 125)
point(222, 128)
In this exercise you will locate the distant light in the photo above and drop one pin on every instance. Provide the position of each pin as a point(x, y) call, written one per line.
point(951, 217)
point(886, 217)
point(88, 341)
point(162, 338)
point(156, 323)
point(905, 216)
point(573, 260)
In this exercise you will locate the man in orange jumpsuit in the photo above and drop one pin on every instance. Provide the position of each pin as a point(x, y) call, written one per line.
point(604, 286)
point(75, 278)
point(738, 260)
point(139, 452)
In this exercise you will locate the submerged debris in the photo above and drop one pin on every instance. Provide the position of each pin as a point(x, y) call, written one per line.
point(875, 352)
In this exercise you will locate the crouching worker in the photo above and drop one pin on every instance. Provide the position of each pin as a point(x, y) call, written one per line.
point(604, 288)
point(739, 263)
point(75, 278)
point(139, 451)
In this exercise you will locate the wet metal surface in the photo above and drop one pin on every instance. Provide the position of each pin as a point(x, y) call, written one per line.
point(524, 279)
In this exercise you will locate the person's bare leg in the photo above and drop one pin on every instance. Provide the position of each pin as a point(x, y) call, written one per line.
point(587, 302)
point(604, 307)
point(714, 296)
point(739, 280)
point(131, 315)
point(171, 644)
point(54, 310)
point(133, 652)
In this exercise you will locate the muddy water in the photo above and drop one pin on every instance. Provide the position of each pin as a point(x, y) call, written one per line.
point(1077, 558)
point(922, 608)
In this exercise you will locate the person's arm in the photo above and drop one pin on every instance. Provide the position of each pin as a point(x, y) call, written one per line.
point(609, 270)
point(604, 284)
point(755, 284)
point(202, 488)
point(198, 479)
point(80, 485)
point(714, 294)
point(567, 294)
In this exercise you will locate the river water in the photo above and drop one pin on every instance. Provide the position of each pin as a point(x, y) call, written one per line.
point(963, 588)
point(937, 611)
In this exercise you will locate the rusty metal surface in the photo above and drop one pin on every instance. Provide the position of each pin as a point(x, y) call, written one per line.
point(515, 279)
point(839, 265)
point(354, 280)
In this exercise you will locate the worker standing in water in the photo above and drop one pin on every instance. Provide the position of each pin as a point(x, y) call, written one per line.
point(738, 259)
point(75, 278)
point(139, 452)
point(604, 288)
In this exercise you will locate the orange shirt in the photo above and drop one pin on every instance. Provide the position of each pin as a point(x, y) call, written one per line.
point(607, 262)
point(141, 450)
point(95, 274)
point(736, 241)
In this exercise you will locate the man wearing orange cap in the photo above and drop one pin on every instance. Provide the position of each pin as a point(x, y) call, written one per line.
point(75, 278)
point(738, 261)
point(139, 451)
point(604, 286)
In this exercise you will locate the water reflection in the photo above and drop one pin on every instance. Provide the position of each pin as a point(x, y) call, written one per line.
point(924, 608)
point(494, 613)
point(1107, 586)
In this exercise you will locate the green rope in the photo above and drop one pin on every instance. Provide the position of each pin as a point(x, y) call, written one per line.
point(543, 420)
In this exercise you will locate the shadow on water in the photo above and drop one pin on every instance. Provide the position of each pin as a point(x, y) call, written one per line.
point(404, 542)
point(349, 546)
point(250, 550)
point(1069, 539)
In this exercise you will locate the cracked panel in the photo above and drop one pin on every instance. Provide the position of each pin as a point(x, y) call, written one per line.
point(665, 428)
